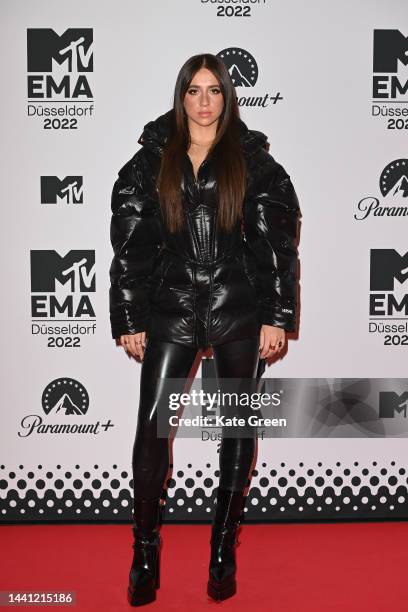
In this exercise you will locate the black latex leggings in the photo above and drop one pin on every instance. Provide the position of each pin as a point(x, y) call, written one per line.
point(150, 459)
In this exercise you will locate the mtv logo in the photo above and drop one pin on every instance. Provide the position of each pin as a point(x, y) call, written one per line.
point(49, 270)
point(73, 50)
point(386, 266)
point(389, 47)
point(69, 189)
point(392, 403)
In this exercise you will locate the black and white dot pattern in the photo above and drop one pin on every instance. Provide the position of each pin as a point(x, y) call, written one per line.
point(277, 492)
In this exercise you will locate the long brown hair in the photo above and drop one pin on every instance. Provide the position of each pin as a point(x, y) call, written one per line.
point(226, 149)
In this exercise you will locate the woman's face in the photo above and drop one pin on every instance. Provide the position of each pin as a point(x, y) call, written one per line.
point(204, 101)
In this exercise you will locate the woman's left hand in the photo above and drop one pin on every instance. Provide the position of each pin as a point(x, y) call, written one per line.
point(272, 340)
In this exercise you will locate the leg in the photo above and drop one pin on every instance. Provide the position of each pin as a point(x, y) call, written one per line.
point(232, 360)
point(236, 360)
point(150, 462)
point(150, 458)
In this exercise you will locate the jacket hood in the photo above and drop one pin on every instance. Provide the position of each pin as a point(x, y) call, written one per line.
point(155, 133)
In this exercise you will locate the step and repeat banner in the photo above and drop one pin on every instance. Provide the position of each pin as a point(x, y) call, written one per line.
point(328, 84)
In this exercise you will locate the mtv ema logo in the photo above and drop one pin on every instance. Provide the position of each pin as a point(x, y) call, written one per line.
point(60, 68)
point(394, 190)
point(243, 70)
point(63, 400)
point(61, 289)
point(392, 404)
point(390, 77)
point(388, 300)
point(68, 190)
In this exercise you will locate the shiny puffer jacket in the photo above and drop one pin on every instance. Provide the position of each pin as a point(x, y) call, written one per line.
point(202, 286)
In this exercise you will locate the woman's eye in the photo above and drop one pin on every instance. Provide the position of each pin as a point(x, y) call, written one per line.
point(215, 90)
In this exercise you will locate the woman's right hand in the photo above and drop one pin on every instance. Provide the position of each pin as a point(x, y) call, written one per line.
point(134, 344)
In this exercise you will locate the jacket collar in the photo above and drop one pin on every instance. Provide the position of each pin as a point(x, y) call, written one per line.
point(155, 133)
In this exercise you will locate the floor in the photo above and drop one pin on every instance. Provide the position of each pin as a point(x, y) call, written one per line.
point(316, 567)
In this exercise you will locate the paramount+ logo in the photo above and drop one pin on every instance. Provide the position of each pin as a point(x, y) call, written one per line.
point(243, 69)
point(65, 403)
point(393, 186)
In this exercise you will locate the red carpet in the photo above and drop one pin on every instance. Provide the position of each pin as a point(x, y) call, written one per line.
point(283, 567)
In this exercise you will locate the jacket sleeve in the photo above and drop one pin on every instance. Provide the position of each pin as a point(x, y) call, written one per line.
point(135, 239)
point(271, 213)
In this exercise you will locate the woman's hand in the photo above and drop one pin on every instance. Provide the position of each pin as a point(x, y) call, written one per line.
point(272, 340)
point(134, 344)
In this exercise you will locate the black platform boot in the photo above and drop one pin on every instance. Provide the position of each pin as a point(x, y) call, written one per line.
point(222, 567)
point(144, 576)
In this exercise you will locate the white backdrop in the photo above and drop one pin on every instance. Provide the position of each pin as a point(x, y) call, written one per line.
point(318, 57)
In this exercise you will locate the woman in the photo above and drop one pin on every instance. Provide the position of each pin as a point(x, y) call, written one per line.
point(203, 229)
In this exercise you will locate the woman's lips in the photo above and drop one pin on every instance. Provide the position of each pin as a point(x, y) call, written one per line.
point(204, 114)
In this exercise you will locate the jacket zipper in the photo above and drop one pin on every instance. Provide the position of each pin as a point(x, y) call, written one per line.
point(209, 302)
point(193, 272)
point(207, 334)
point(196, 184)
point(196, 180)
point(212, 246)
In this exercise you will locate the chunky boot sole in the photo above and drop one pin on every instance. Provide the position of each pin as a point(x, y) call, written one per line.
point(224, 538)
point(141, 595)
point(220, 593)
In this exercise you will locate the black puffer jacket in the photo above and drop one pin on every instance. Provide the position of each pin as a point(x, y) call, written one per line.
point(202, 286)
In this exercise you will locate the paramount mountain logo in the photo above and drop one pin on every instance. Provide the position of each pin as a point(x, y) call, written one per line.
point(65, 396)
point(394, 194)
point(243, 70)
point(241, 65)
